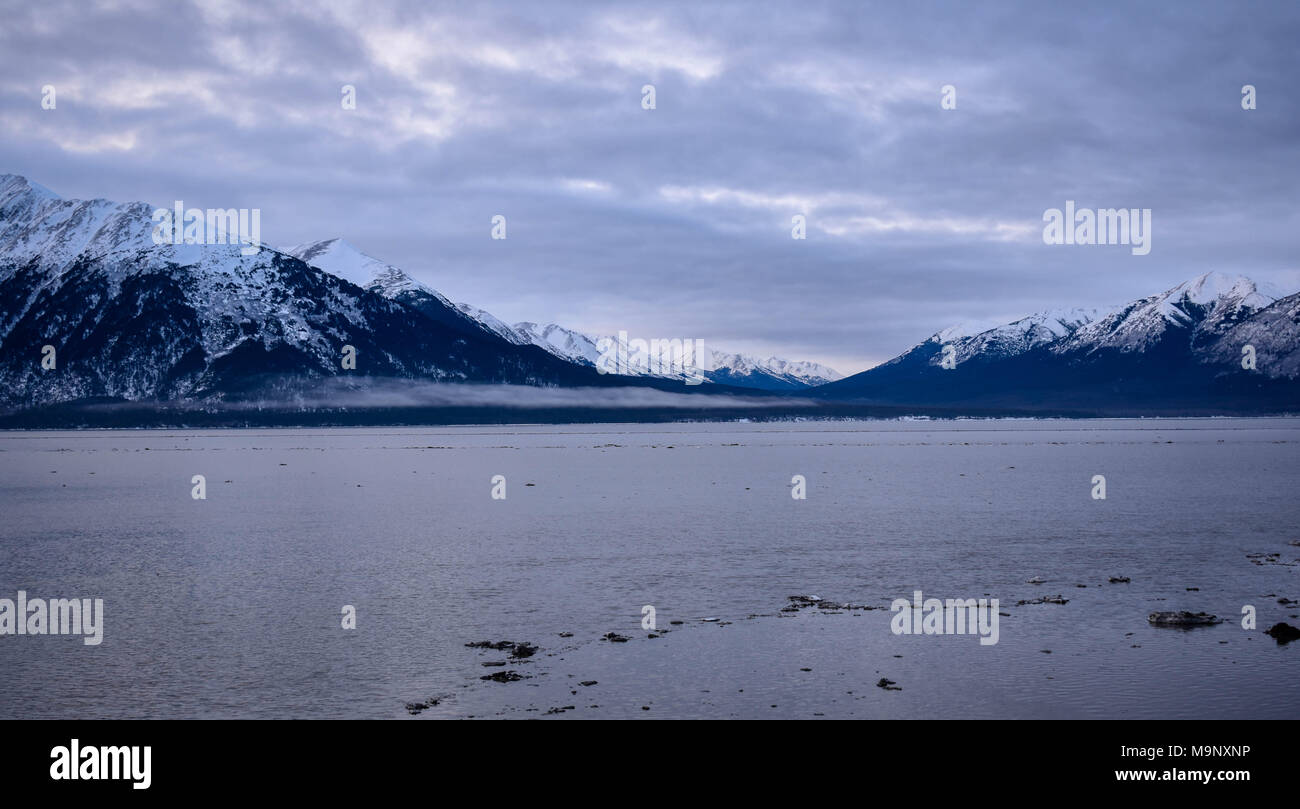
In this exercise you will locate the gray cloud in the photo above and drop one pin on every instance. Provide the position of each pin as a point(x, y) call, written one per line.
point(676, 220)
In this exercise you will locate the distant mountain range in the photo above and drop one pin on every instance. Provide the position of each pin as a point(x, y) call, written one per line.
point(1184, 350)
point(130, 320)
point(339, 258)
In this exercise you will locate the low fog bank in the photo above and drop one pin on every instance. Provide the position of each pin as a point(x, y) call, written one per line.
point(389, 394)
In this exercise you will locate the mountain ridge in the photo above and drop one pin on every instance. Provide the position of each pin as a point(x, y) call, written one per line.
point(339, 257)
point(131, 319)
point(127, 319)
point(1185, 345)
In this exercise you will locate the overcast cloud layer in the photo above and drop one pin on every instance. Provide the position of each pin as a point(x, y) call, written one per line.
point(675, 222)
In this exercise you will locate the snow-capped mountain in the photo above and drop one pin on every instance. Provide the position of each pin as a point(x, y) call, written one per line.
point(772, 373)
point(1209, 305)
point(718, 367)
point(1183, 349)
point(130, 319)
point(339, 258)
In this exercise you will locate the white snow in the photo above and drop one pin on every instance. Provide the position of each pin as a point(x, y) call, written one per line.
point(340, 258)
point(582, 348)
point(1219, 300)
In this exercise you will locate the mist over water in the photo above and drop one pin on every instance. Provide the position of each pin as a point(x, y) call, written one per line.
point(230, 606)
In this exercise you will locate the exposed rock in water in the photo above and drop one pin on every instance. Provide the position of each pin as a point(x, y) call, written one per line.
point(1269, 559)
point(1044, 600)
point(888, 685)
point(801, 602)
point(1119, 579)
point(1183, 618)
point(517, 650)
point(1283, 632)
point(614, 637)
point(503, 676)
point(499, 646)
point(414, 708)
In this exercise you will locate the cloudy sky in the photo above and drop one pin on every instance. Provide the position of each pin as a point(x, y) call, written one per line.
point(676, 221)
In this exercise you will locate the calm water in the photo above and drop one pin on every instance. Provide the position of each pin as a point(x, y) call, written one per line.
point(230, 606)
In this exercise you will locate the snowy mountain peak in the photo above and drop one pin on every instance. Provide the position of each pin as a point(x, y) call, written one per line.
point(1216, 288)
point(340, 258)
point(1207, 304)
point(773, 373)
point(36, 223)
point(1210, 303)
point(14, 185)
